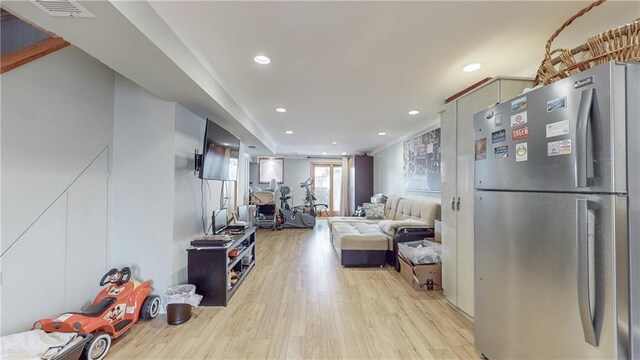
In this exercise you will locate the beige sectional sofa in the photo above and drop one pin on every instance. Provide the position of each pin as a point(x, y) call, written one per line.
point(370, 242)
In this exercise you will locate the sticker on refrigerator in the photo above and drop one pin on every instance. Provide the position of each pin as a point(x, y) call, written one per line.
point(558, 128)
point(562, 147)
point(481, 149)
point(497, 118)
point(498, 136)
point(519, 104)
point(522, 152)
point(501, 151)
point(520, 133)
point(556, 104)
point(519, 119)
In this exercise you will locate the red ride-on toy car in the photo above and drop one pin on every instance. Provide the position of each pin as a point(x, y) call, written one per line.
point(114, 311)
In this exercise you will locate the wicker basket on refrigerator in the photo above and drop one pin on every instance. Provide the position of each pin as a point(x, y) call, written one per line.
point(620, 44)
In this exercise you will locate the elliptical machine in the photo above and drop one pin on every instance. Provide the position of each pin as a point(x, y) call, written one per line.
point(292, 217)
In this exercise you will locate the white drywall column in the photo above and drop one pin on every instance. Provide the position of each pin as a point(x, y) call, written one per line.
point(143, 183)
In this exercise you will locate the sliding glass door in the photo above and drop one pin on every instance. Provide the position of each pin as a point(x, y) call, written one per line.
point(327, 187)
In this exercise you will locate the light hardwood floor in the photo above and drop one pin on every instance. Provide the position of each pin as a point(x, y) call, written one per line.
point(298, 302)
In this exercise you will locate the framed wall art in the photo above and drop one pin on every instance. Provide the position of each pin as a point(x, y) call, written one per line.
point(422, 162)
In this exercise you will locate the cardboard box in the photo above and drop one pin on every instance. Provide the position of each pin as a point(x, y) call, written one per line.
point(438, 231)
point(417, 275)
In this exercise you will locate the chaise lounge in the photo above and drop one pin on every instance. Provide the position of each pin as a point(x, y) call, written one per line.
point(373, 242)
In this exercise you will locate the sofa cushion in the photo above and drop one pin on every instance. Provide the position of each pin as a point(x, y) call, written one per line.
point(389, 227)
point(391, 207)
point(373, 211)
point(424, 210)
point(358, 236)
point(349, 219)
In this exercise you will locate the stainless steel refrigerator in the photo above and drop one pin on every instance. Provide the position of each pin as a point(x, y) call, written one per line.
point(557, 220)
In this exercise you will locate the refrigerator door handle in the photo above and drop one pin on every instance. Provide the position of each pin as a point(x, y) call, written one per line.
point(585, 298)
point(458, 204)
point(582, 125)
point(453, 203)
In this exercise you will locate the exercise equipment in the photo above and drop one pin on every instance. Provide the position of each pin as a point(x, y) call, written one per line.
point(310, 200)
point(293, 217)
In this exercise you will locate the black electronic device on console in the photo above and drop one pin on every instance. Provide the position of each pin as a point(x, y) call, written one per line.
point(219, 221)
point(235, 229)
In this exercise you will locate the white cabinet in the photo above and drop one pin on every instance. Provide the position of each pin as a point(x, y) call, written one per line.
point(457, 186)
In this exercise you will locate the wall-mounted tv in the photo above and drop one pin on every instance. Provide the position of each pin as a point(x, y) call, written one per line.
point(220, 153)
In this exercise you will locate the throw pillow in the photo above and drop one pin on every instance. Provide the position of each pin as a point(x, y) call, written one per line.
point(373, 211)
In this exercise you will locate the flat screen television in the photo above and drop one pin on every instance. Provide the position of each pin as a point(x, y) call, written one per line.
point(220, 153)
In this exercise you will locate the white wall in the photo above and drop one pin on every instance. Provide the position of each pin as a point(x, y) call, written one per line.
point(56, 132)
point(143, 183)
point(388, 172)
point(56, 118)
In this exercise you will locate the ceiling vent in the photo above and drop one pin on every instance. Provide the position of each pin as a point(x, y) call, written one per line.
point(65, 8)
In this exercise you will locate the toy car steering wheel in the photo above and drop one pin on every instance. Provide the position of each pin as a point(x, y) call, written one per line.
point(114, 276)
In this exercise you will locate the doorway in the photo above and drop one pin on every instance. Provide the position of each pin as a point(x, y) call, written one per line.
point(327, 186)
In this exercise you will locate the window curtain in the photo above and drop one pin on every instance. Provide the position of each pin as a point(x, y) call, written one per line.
point(344, 198)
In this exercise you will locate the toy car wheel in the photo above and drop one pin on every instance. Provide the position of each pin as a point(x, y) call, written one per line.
point(98, 347)
point(150, 307)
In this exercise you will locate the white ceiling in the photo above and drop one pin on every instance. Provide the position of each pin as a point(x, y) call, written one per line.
point(344, 70)
point(347, 70)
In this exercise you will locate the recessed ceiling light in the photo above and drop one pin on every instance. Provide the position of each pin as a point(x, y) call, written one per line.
point(382, 133)
point(289, 132)
point(343, 153)
point(334, 142)
point(262, 60)
point(471, 67)
point(281, 110)
point(324, 153)
point(225, 144)
point(414, 112)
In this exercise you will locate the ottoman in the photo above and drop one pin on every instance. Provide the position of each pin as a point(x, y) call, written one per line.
point(359, 244)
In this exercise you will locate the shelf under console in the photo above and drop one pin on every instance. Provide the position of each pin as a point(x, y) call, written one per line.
point(209, 268)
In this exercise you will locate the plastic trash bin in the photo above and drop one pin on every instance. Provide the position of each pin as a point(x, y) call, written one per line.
point(178, 301)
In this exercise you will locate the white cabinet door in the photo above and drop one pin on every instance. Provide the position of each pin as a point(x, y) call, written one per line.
point(458, 156)
point(448, 173)
point(467, 107)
